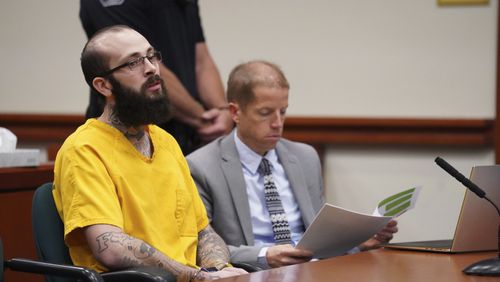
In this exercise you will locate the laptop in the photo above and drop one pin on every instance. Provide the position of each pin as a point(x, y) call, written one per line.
point(478, 222)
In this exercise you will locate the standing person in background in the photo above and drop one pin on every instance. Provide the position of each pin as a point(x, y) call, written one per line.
point(194, 85)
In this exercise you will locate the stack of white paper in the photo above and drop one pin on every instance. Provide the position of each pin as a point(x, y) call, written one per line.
point(335, 230)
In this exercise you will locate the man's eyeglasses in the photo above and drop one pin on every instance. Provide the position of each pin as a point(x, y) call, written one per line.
point(153, 58)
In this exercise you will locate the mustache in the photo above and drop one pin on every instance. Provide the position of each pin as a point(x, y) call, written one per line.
point(151, 80)
point(154, 79)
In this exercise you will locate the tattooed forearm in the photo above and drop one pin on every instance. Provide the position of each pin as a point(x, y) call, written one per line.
point(106, 239)
point(129, 262)
point(140, 252)
point(212, 251)
point(135, 252)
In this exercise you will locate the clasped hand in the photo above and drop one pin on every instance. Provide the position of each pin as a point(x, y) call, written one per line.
point(215, 123)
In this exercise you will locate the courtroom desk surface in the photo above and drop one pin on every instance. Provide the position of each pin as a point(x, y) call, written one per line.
point(13, 179)
point(17, 185)
point(381, 265)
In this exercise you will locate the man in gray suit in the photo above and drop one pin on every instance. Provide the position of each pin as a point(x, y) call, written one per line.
point(227, 175)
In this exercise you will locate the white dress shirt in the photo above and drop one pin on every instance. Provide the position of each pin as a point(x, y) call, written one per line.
point(261, 223)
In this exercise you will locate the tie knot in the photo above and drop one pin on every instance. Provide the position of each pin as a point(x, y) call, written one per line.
point(264, 167)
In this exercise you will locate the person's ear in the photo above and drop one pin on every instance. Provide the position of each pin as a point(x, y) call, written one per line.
point(102, 86)
point(234, 110)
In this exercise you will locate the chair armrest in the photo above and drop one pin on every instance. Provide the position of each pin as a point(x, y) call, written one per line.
point(139, 274)
point(32, 266)
point(249, 266)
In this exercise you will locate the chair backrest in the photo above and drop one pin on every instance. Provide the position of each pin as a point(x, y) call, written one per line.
point(48, 230)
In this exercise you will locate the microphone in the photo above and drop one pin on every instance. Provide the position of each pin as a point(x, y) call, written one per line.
point(460, 177)
point(487, 267)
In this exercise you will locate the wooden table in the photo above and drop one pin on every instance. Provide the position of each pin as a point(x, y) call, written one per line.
point(382, 265)
point(17, 186)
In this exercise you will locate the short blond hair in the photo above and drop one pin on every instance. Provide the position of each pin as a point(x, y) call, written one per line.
point(245, 77)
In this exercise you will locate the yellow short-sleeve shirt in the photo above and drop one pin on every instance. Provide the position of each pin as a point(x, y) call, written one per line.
point(100, 178)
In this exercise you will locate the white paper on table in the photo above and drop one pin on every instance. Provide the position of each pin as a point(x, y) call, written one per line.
point(334, 231)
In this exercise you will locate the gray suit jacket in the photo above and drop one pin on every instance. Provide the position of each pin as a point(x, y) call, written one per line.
point(218, 174)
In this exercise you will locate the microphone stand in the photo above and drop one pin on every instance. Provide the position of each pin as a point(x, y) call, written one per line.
point(487, 267)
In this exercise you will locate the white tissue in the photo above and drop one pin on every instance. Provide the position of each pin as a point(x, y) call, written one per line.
point(12, 157)
point(8, 140)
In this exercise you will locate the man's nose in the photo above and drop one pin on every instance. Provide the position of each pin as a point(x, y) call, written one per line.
point(149, 67)
point(277, 119)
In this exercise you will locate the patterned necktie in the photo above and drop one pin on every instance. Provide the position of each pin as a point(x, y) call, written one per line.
point(279, 220)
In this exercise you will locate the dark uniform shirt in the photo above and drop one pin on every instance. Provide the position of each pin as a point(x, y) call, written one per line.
point(171, 26)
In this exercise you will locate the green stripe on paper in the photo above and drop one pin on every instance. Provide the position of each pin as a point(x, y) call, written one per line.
point(397, 202)
point(397, 210)
point(401, 194)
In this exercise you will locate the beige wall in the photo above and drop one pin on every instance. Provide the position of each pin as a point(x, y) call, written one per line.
point(40, 46)
point(357, 178)
point(387, 58)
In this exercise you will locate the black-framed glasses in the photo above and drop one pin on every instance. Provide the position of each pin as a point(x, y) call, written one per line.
point(153, 58)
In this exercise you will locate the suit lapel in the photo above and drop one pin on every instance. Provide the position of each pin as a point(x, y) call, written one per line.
point(297, 181)
point(233, 172)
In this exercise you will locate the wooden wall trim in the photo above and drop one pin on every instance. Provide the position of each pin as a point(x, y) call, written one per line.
point(41, 127)
point(15, 179)
point(385, 131)
point(312, 130)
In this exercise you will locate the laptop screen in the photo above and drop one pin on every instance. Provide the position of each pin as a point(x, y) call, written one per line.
point(477, 227)
point(478, 222)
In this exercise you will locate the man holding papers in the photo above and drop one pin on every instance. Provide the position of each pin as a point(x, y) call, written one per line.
point(262, 191)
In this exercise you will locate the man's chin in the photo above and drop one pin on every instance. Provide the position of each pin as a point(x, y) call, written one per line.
point(156, 94)
point(270, 143)
point(273, 139)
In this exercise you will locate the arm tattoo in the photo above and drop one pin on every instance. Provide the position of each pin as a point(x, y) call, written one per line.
point(143, 251)
point(130, 262)
point(138, 253)
point(212, 251)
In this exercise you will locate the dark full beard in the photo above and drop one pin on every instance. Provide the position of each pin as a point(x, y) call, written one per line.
point(134, 108)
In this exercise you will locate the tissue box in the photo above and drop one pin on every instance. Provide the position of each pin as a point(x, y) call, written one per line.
point(20, 157)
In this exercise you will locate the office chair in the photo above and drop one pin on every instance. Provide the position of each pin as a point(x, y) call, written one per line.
point(49, 241)
point(48, 232)
point(38, 267)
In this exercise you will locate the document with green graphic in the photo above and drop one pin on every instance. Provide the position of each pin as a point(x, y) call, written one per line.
point(335, 231)
point(399, 203)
